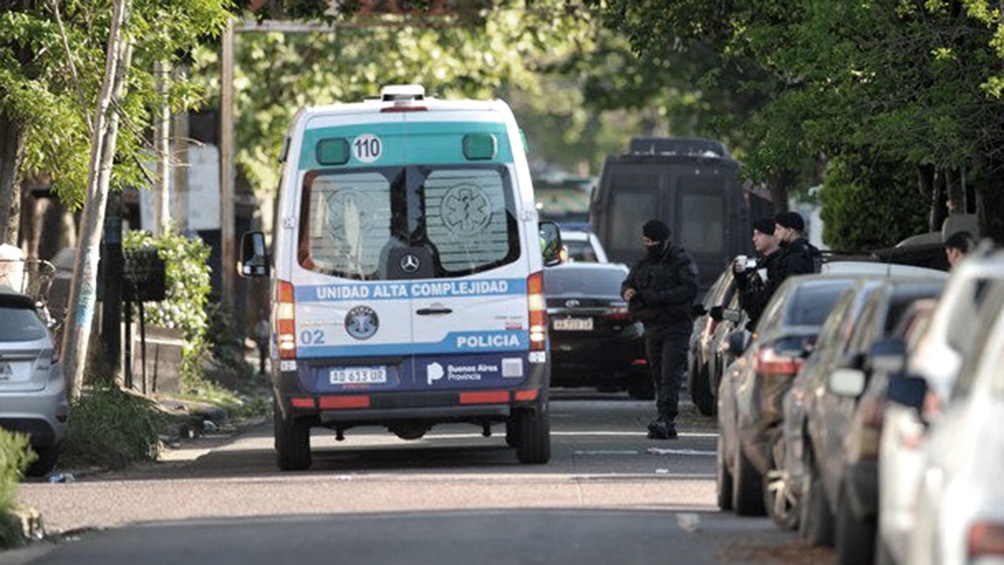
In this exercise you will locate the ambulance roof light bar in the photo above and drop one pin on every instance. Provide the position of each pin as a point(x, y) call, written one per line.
point(402, 92)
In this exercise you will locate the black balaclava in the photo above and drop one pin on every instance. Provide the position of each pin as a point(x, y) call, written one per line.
point(658, 232)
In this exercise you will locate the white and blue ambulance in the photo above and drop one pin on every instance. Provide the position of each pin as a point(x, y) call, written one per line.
point(406, 274)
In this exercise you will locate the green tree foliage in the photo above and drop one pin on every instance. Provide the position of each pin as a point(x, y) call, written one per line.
point(506, 49)
point(52, 56)
point(906, 81)
point(863, 203)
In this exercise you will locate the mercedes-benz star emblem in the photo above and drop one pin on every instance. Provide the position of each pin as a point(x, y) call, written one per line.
point(409, 263)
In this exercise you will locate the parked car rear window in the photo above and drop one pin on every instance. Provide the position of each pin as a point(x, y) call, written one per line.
point(810, 304)
point(590, 282)
point(20, 324)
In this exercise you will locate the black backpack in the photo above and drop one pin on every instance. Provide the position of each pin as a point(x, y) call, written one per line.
point(817, 257)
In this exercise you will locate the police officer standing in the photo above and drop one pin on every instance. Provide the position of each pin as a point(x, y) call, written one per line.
point(798, 256)
point(660, 291)
point(757, 284)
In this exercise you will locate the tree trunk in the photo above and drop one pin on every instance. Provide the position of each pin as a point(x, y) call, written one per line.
point(778, 184)
point(83, 293)
point(990, 206)
point(12, 140)
point(937, 200)
point(925, 186)
point(955, 194)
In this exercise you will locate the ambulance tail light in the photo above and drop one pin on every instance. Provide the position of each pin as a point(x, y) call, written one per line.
point(538, 311)
point(286, 321)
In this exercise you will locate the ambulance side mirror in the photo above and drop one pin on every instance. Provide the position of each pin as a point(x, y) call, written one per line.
point(550, 243)
point(254, 256)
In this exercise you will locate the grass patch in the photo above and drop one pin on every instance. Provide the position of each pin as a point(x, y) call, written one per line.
point(112, 428)
point(238, 405)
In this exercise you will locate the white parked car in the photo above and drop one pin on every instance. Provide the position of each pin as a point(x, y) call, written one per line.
point(936, 357)
point(32, 387)
point(583, 247)
point(960, 502)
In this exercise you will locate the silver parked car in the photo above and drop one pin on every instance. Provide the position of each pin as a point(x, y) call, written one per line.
point(838, 478)
point(32, 387)
point(935, 355)
point(960, 502)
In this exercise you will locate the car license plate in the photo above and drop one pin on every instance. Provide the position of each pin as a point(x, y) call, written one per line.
point(358, 375)
point(573, 324)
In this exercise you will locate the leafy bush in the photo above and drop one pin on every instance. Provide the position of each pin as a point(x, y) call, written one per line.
point(188, 287)
point(112, 428)
point(869, 204)
point(15, 457)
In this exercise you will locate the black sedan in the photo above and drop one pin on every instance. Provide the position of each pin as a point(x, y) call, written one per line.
point(594, 341)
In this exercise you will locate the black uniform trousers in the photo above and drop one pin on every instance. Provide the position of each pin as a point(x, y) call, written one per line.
point(666, 352)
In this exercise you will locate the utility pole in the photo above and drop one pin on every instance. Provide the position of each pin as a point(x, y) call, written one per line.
point(179, 209)
point(162, 143)
point(227, 192)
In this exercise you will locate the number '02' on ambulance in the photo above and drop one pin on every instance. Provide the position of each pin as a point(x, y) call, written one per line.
point(406, 274)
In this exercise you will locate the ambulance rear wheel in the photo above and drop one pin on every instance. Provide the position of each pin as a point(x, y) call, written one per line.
point(292, 444)
point(533, 436)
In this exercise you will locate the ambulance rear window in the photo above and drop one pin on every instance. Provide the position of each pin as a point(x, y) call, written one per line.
point(358, 223)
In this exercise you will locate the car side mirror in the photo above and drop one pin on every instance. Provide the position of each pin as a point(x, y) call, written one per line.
point(254, 256)
point(906, 390)
point(550, 243)
point(847, 382)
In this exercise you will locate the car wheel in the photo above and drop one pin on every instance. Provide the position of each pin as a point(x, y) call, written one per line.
point(747, 491)
point(816, 520)
point(780, 498)
point(292, 443)
point(701, 393)
point(723, 479)
point(854, 538)
point(533, 436)
point(45, 460)
point(642, 387)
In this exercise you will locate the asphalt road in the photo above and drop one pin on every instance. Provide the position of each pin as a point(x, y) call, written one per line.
point(608, 495)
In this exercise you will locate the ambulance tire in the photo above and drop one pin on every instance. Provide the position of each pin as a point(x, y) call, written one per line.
point(533, 436)
point(292, 444)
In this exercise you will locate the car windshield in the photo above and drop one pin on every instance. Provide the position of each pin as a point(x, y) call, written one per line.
point(20, 324)
point(598, 282)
